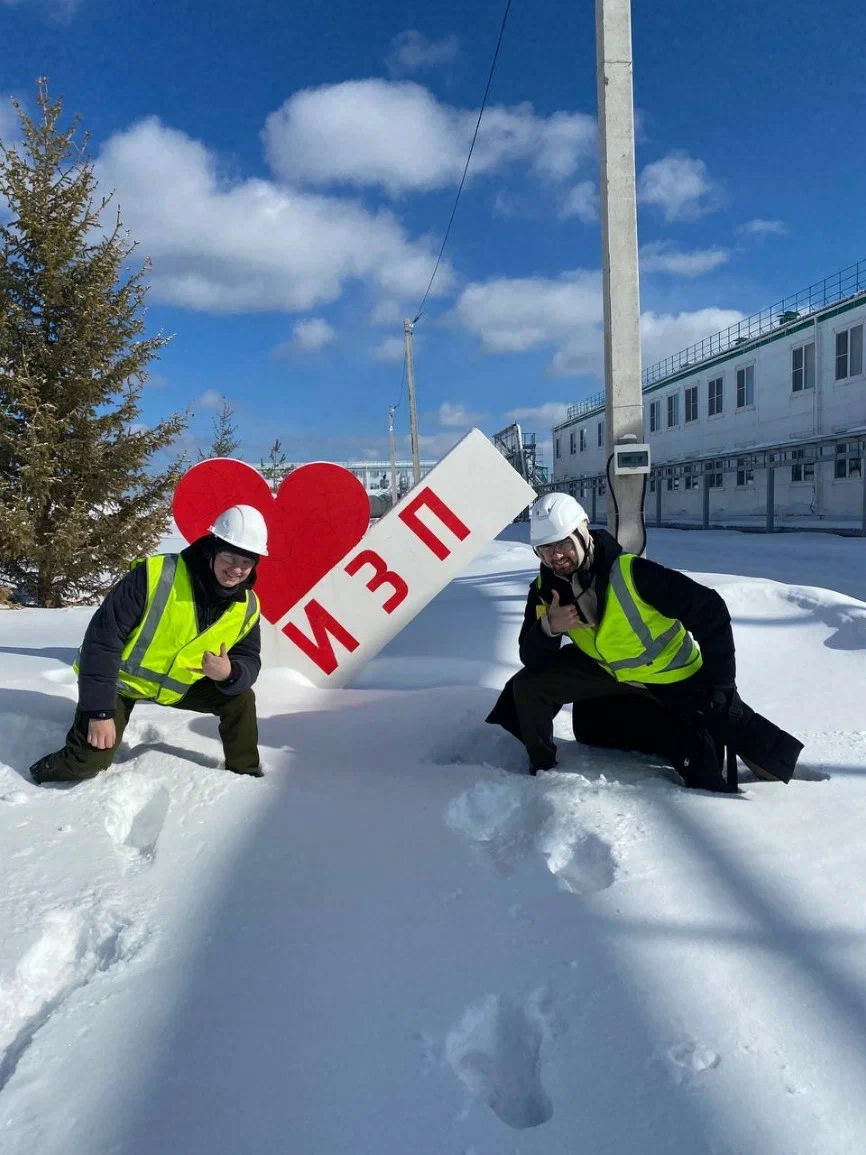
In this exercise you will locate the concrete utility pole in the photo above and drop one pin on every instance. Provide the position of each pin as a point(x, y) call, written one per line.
point(392, 451)
point(622, 359)
point(408, 330)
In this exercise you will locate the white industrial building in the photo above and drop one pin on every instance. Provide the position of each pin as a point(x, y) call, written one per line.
point(375, 476)
point(764, 422)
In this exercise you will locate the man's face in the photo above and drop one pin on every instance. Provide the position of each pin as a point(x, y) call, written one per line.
point(561, 556)
point(230, 569)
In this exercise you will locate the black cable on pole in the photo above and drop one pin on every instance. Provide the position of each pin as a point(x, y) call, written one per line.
point(468, 159)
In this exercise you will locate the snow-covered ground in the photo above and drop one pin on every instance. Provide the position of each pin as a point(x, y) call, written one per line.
point(397, 944)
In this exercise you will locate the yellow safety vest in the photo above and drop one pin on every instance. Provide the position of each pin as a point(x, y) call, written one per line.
point(633, 641)
point(164, 652)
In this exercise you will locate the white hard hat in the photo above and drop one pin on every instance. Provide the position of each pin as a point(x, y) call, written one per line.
point(553, 517)
point(244, 527)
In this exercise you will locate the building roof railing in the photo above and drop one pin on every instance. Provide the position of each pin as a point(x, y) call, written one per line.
point(848, 282)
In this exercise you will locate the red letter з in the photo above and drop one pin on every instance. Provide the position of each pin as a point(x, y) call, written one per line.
point(381, 576)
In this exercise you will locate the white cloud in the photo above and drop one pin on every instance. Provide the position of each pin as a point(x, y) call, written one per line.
point(457, 416)
point(59, 10)
point(550, 413)
point(398, 136)
point(412, 52)
point(313, 334)
point(564, 316)
point(761, 228)
point(663, 334)
point(246, 245)
point(581, 202)
point(518, 314)
point(390, 351)
point(387, 312)
point(211, 399)
point(432, 447)
point(680, 186)
point(9, 125)
point(665, 257)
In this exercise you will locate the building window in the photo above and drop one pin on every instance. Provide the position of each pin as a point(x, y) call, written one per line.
point(745, 386)
point(849, 352)
point(804, 470)
point(803, 367)
point(690, 474)
point(714, 396)
point(556, 447)
point(672, 478)
point(572, 443)
point(745, 472)
point(652, 483)
point(848, 460)
point(655, 416)
point(673, 410)
point(692, 403)
point(716, 474)
point(600, 434)
point(582, 440)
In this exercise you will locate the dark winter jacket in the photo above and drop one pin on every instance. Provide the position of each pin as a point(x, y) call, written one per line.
point(701, 610)
point(123, 609)
point(662, 719)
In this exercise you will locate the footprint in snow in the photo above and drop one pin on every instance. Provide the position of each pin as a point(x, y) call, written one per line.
point(135, 815)
point(501, 819)
point(495, 1052)
point(14, 798)
point(472, 745)
point(687, 1061)
point(582, 862)
point(508, 820)
point(75, 944)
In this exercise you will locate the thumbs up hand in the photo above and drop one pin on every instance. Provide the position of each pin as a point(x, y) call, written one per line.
point(217, 667)
point(561, 619)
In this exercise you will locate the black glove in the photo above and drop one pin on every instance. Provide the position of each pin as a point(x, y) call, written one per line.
point(721, 704)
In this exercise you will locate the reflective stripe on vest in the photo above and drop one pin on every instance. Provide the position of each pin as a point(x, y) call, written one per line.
point(633, 641)
point(162, 655)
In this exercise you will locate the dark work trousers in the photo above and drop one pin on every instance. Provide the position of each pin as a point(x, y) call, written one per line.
point(660, 719)
point(572, 677)
point(238, 729)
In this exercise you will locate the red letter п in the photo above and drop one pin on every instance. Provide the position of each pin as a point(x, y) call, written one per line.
point(439, 509)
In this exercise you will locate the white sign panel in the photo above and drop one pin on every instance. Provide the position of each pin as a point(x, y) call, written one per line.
point(401, 563)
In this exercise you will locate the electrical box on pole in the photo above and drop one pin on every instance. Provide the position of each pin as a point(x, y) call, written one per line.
point(622, 356)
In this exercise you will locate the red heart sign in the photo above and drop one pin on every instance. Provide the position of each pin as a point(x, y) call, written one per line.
point(319, 513)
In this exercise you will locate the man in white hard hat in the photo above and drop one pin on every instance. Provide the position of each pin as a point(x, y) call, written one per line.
point(652, 666)
point(179, 630)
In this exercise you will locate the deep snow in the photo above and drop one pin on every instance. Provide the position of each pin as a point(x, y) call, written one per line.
point(397, 944)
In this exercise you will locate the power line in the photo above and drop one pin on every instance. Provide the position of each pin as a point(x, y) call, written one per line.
point(468, 159)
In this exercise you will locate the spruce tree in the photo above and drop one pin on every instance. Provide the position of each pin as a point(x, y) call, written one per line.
point(79, 494)
point(225, 434)
point(274, 471)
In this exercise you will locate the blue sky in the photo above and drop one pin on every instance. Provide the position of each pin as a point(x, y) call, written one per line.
point(290, 169)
